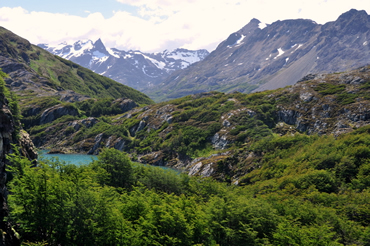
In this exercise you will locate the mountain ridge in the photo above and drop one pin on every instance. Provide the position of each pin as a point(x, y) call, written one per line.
point(274, 56)
point(134, 68)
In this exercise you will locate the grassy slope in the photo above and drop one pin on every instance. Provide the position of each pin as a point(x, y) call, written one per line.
point(63, 74)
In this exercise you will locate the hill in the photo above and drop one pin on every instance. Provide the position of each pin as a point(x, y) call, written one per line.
point(264, 57)
point(212, 126)
point(290, 188)
point(35, 72)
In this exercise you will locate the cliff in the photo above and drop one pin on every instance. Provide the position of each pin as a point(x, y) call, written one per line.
point(10, 136)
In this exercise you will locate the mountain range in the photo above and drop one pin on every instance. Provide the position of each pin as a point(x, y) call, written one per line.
point(260, 57)
point(136, 69)
point(257, 57)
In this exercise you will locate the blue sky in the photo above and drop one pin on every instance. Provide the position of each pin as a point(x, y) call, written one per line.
point(72, 7)
point(156, 25)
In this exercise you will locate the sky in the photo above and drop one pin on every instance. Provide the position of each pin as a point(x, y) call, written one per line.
point(156, 25)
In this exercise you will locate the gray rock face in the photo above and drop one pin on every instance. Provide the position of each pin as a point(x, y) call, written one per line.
point(119, 144)
point(154, 158)
point(56, 112)
point(22, 78)
point(361, 114)
point(71, 96)
point(88, 122)
point(125, 104)
point(321, 113)
point(32, 110)
point(219, 142)
point(95, 149)
point(289, 116)
point(204, 166)
point(137, 128)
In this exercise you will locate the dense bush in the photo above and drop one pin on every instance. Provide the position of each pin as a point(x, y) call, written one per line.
point(115, 202)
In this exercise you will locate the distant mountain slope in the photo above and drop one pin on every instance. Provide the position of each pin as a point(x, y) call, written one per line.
point(259, 57)
point(133, 68)
point(35, 72)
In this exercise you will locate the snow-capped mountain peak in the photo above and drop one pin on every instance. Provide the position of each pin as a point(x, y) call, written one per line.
point(134, 68)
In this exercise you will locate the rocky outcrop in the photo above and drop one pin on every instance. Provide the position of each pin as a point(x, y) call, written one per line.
point(70, 96)
point(56, 112)
point(205, 166)
point(220, 142)
point(97, 144)
point(289, 116)
point(119, 144)
point(154, 158)
point(22, 78)
point(125, 104)
point(88, 122)
point(27, 148)
point(318, 110)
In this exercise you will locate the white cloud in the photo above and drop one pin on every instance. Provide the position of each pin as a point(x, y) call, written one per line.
point(168, 24)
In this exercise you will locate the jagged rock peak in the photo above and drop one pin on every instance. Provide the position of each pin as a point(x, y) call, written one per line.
point(353, 21)
point(251, 26)
point(353, 13)
point(99, 45)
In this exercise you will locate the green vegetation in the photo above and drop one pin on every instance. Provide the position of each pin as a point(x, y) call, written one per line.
point(64, 74)
point(12, 101)
point(301, 190)
point(84, 81)
point(196, 120)
point(198, 125)
point(86, 108)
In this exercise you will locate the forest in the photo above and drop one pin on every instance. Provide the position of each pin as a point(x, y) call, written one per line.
point(304, 190)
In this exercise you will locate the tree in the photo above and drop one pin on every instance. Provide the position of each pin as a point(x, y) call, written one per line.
point(118, 168)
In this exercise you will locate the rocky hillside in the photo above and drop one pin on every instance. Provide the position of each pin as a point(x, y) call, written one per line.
point(136, 69)
point(260, 57)
point(196, 132)
point(34, 72)
point(10, 136)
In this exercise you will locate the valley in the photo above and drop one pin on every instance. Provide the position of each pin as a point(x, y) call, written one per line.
point(271, 138)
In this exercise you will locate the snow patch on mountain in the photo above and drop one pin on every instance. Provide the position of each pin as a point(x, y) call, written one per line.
point(113, 53)
point(262, 25)
point(133, 68)
point(238, 42)
point(281, 52)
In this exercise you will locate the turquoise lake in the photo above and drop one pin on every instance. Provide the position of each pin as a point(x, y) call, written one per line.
point(80, 159)
point(76, 159)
